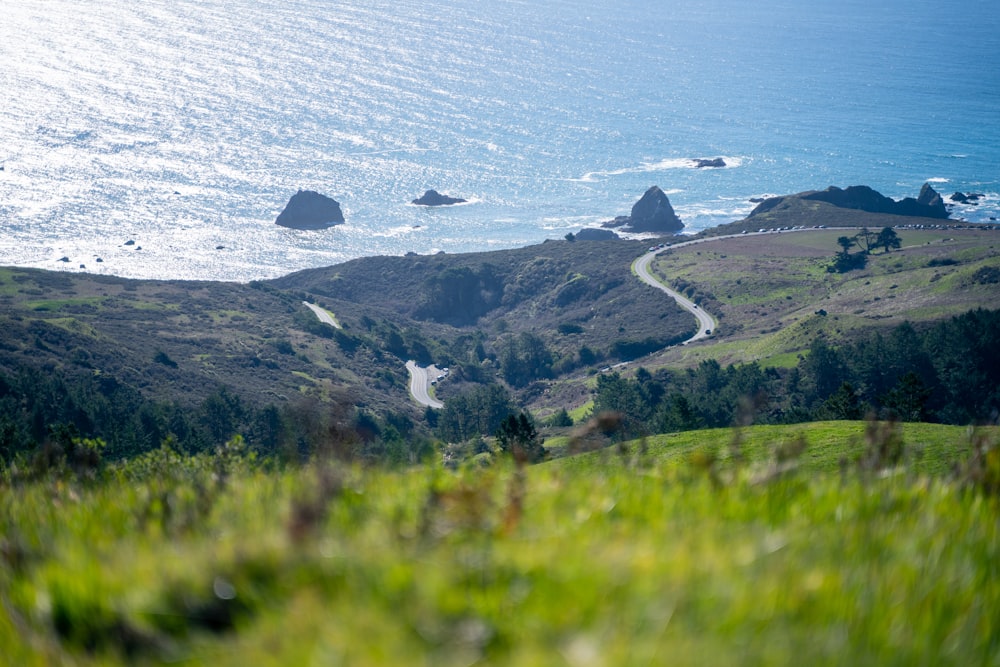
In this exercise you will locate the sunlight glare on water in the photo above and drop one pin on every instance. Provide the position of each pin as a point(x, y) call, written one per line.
point(186, 126)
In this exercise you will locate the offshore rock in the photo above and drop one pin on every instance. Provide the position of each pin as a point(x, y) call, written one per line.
point(435, 198)
point(310, 210)
point(967, 198)
point(711, 163)
point(652, 213)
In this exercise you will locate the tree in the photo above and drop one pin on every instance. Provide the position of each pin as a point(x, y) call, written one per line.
point(479, 411)
point(615, 394)
point(866, 240)
point(888, 239)
point(843, 404)
point(906, 400)
point(560, 419)
point(823, 371)
point(844, 261)
point(677, 414)
point(524, 358)
point(517, 436)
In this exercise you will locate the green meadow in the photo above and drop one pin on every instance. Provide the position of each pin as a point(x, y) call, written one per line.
point(831, 543)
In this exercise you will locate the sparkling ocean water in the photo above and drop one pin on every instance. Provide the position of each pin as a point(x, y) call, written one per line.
point(186, 125)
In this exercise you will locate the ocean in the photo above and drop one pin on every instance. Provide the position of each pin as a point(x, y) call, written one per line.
point(185, 126)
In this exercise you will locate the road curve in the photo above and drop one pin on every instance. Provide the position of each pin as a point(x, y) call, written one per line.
point(325, 316)
point(419, 382)
point(706, 323)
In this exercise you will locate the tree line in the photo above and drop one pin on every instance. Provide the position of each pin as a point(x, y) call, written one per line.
point(947, 373)
point(39, 406)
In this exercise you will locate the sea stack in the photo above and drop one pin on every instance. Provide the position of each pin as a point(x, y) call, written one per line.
point(310, 210)
point(652, 213)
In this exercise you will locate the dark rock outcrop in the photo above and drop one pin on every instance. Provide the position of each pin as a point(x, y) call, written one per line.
point(652, 213)
point(929, 198)
point(861, 197)
point(435, 198)
point(593, 234)
point(966, 198)
point(711, 163)
point(310, 210)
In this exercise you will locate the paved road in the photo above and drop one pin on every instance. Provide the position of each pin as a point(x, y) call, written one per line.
point(706, 323)
point(324, 315)
point(420, 380)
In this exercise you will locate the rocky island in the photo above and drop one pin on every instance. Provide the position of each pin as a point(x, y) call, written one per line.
point(435, 198)
point(652, 213)
point(310, 210)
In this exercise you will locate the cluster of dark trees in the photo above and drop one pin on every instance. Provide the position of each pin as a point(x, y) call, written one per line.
point(478, 411)
point(38, 405)
point(948, 373)
point(867, 240)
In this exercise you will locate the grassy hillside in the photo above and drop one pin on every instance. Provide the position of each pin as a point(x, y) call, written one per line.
point(603, 559)
point(178, 341)
point(773, 294)
point(172, 340)
point(931, 449)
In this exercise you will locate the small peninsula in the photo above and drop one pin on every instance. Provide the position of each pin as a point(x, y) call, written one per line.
point(928, 203)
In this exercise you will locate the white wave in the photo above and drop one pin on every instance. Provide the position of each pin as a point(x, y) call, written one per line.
point(705, 212)
point(468, 202)
point(397, 231)
point(651, 167)
point(552, 224)
point(986, 209)
point(938, 180)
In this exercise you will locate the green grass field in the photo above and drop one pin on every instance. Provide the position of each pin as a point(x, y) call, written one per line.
point(773, 294)
point(671, 551)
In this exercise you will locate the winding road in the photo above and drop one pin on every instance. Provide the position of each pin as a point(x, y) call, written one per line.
point(420, 378)
point(706, 323)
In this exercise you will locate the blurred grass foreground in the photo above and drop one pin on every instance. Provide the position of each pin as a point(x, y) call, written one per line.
point(704, 554)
